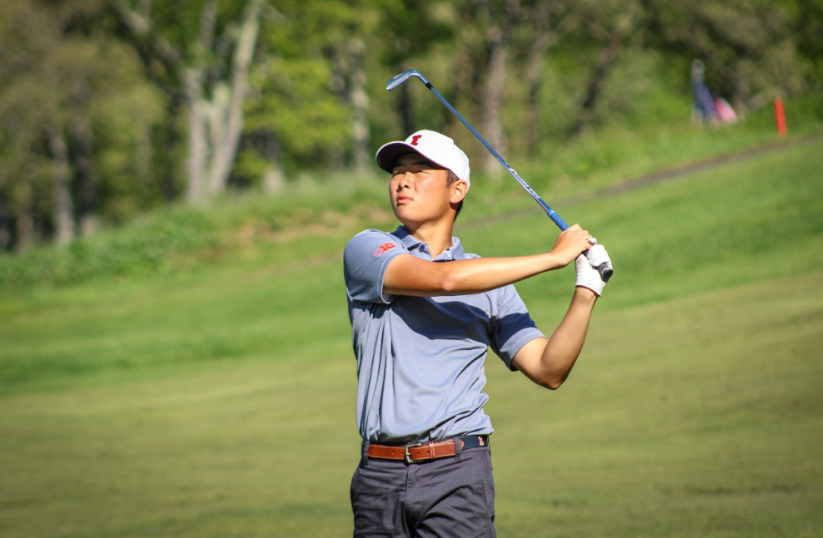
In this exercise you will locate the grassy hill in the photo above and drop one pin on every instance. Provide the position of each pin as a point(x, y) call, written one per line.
point(208, 389)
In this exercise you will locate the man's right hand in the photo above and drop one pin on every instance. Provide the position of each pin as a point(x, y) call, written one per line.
point(571, 242)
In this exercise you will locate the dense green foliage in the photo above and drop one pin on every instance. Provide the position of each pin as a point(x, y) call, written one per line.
point(112, 108)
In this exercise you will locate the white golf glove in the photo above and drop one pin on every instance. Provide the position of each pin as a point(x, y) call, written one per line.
point(587, 275)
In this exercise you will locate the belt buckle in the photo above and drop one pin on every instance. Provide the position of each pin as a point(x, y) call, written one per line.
point(407, 455)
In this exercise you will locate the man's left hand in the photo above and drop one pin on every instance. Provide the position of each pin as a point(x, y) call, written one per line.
point(587, 275)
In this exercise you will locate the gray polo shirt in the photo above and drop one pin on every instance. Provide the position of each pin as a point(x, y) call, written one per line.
point(420, 359)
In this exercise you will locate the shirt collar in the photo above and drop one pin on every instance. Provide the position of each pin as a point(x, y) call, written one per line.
point(455, 252)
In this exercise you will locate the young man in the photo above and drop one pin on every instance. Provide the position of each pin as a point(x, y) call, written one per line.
point(423, 314)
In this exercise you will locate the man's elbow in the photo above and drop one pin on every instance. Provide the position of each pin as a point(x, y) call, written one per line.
point(551, 382)
point(456, 280)
point(552, 385)
point(448, 284)
point(450, 281)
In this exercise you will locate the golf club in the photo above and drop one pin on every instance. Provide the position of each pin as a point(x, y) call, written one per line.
point(604, 269)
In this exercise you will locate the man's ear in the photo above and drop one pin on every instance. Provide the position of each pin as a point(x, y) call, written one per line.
point(458, 191)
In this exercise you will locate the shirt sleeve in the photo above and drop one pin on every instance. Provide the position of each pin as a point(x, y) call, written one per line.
point(365, 260)
point(512, 327)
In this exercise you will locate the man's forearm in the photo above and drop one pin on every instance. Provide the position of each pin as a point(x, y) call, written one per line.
point(408, 275)
point(567, 341)
point(549, 362)
point(484, 274)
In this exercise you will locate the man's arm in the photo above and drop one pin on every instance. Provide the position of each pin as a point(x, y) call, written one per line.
point(407, 275)
point(548, 362)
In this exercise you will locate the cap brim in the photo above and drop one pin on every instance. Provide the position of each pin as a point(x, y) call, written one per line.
point(388, 154)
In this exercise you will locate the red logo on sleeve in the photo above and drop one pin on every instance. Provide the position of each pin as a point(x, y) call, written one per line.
point(382, 248)
point(415, 139)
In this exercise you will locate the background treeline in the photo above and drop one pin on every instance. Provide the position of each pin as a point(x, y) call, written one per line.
point(109, 108)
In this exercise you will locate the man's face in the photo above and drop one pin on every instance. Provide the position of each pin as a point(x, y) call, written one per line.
point(419, 190)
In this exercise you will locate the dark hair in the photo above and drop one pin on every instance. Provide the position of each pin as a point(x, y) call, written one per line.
point(451, 178)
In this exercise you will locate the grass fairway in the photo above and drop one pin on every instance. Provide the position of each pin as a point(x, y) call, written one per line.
point(695, 417)
point(221, 403)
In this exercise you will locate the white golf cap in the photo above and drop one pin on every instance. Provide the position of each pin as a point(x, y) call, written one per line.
point(437, 148)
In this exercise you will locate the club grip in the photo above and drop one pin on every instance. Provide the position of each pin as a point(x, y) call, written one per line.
point(605, 271)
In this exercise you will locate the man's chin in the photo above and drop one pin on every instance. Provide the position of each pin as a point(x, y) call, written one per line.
point(405, 219)
point(401, 213)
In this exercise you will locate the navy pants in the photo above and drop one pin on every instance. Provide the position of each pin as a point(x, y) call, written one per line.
point(440, 498)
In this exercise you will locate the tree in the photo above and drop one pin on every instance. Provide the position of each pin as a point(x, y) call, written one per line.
point(610, 24)
point(206, 68)
point(345, 32)
point(26, 112)
point(411, 30)
point(550, 22)
point(295, 115)
point(482, 59)
point(59, 76)
point(807, 27)
point(748, 46)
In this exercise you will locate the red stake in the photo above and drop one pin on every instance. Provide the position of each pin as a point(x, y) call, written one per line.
point(779, 116)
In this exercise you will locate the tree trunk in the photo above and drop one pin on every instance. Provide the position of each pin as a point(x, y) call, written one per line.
point(214, 126)
point(491, 106)
point(359, 98)
point(197, 108)
point(500, 32)
point(546, 34)
point(348, 65)
point(84, 170)
point(741, 90)
point(143, 153)
point(534, 74)
point(227, 118)
point(164, 165)
point(274, 179)
point(195, 137)
point(605, 61)
point(25, 231)
point(469, 64)
point(6, 233)
point(63, 205)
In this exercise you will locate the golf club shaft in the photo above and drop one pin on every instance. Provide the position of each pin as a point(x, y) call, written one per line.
point(549, 211)
point(605, 270)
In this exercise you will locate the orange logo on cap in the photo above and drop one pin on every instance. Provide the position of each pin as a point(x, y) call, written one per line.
point(415, 138)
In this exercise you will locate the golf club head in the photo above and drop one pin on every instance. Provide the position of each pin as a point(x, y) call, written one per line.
point(403, 77)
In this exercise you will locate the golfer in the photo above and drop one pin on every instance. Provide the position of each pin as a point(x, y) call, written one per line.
point(423, 314)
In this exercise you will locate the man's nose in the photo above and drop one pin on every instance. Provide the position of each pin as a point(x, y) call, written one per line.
point(405, 180)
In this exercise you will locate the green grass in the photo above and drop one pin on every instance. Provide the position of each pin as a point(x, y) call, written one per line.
point(219, 401)
point(694, 417)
